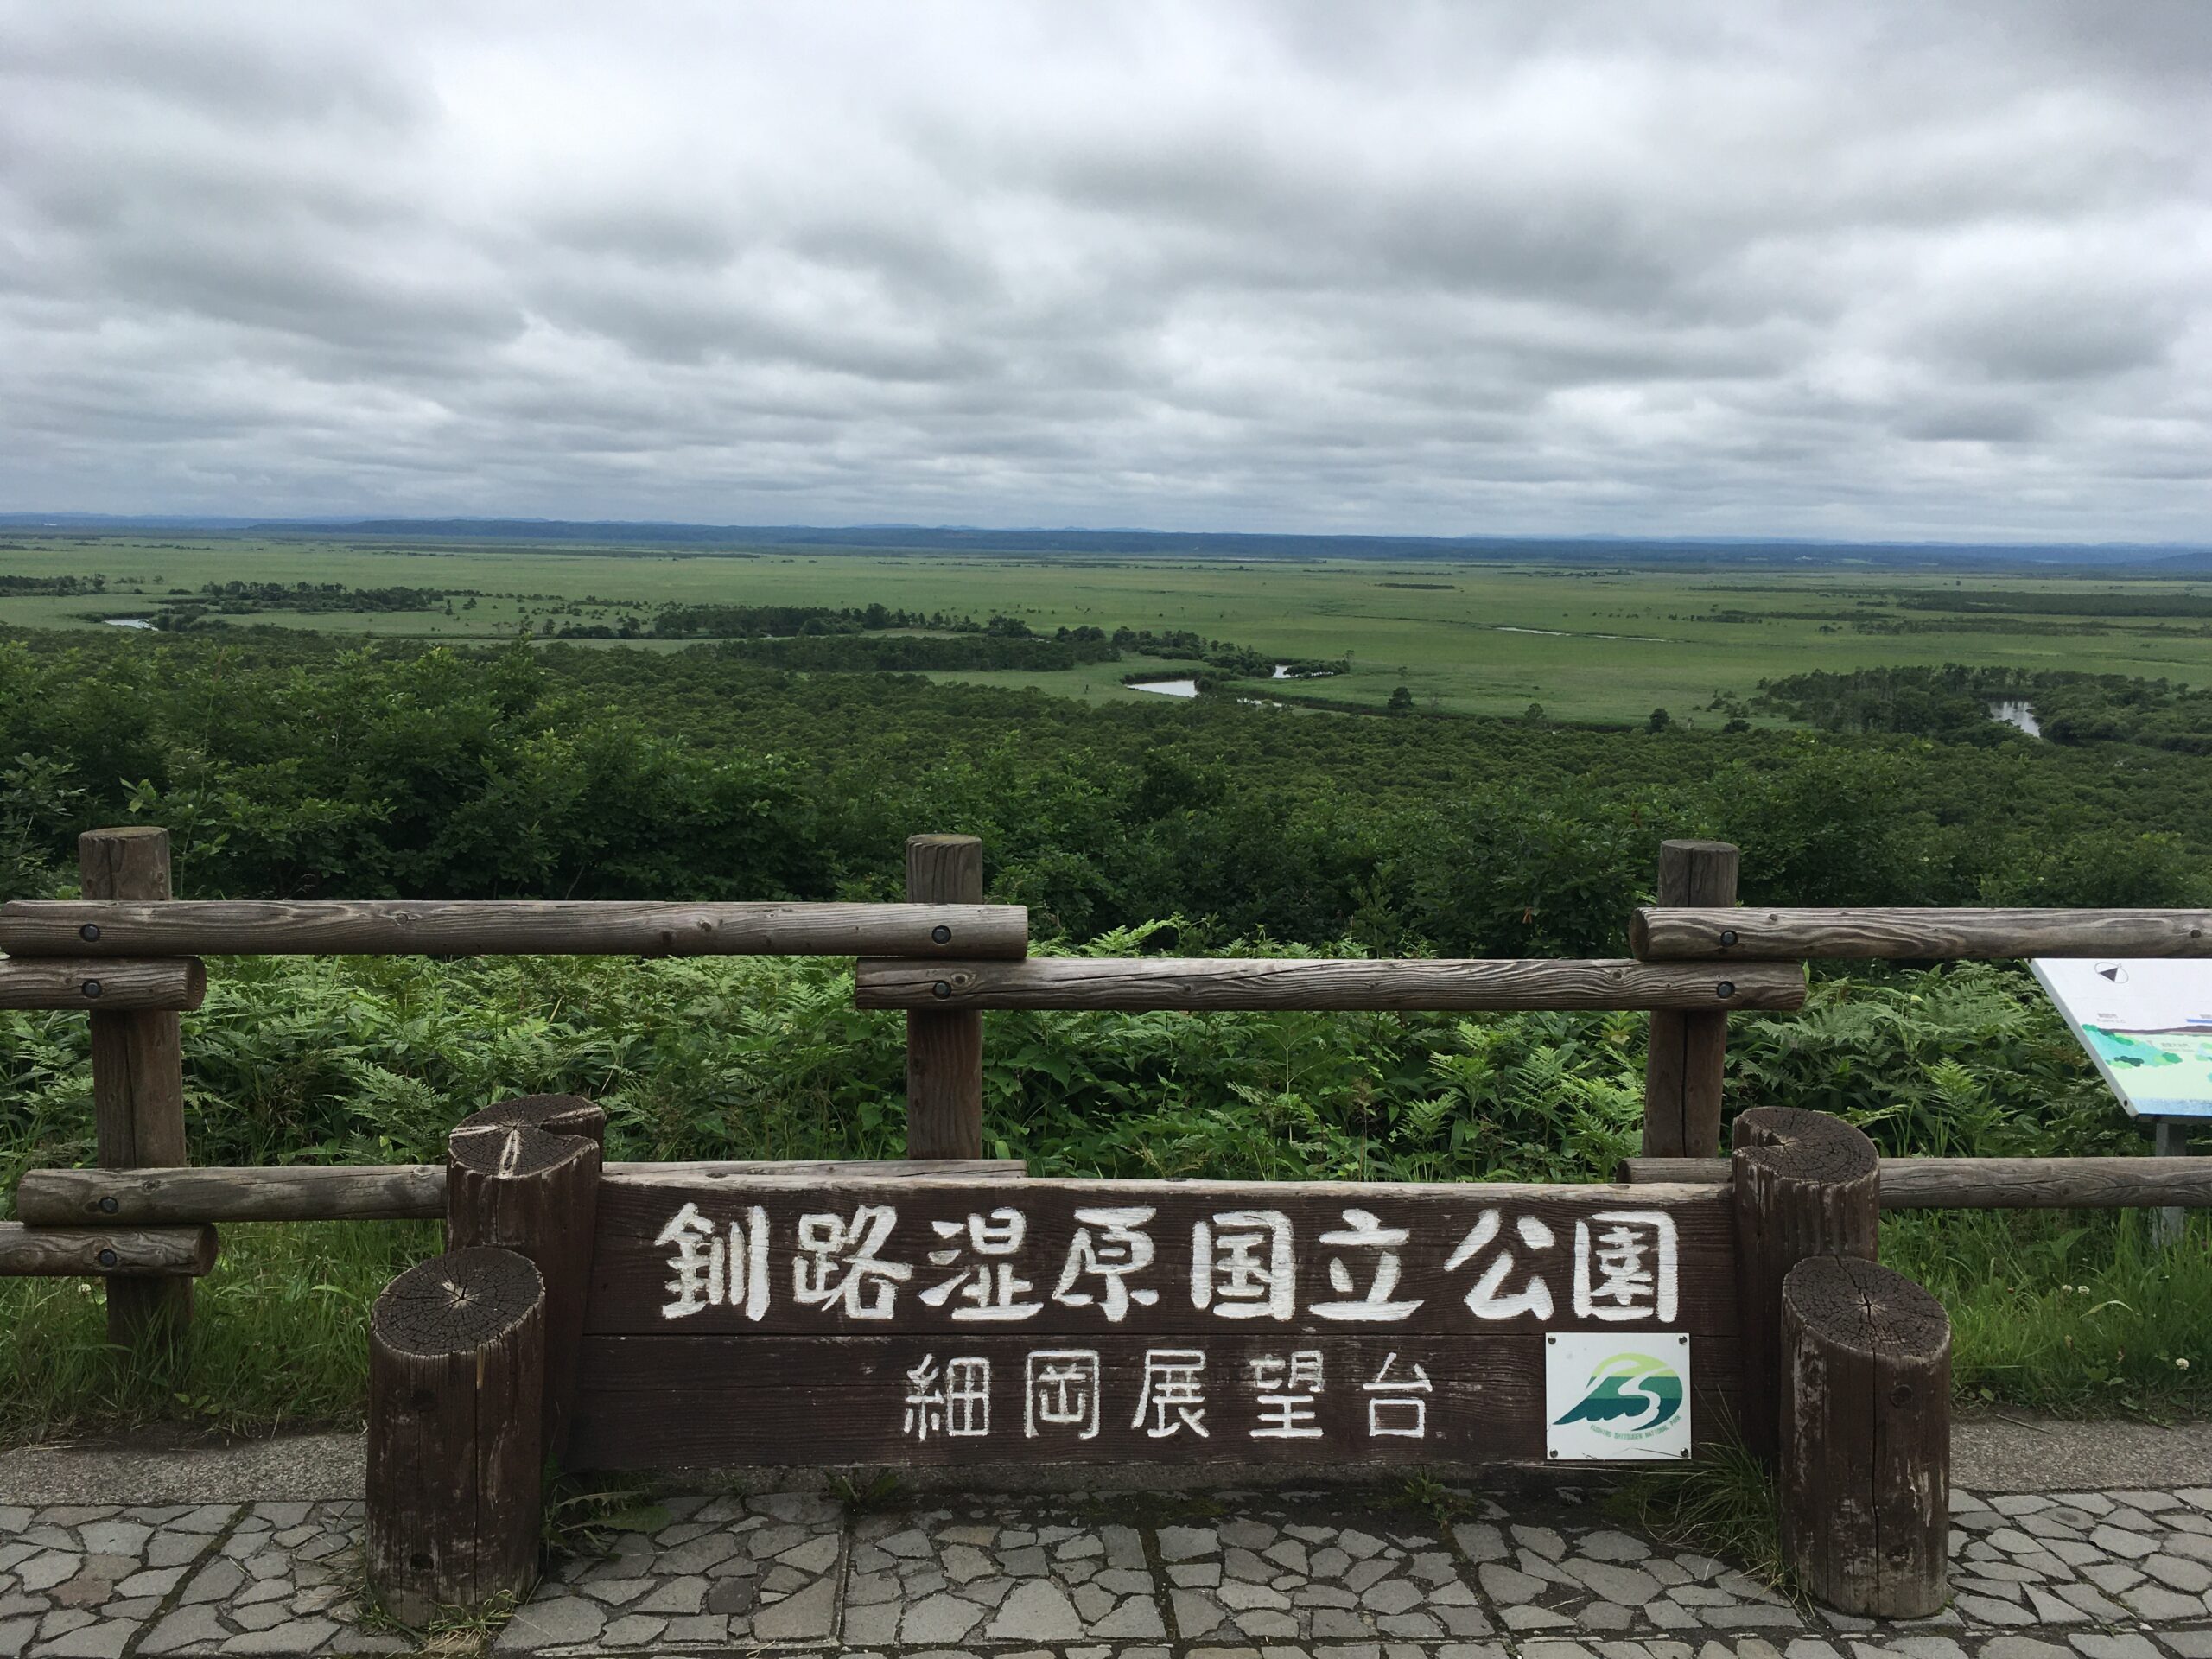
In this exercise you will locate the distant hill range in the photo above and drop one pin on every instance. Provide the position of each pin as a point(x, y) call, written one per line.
point(708, 540)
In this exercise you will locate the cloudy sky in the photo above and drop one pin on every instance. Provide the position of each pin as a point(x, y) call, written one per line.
point(1921, 269)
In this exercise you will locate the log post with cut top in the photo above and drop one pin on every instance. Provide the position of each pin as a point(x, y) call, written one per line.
point(1806, 1185)
point(523, 1175)
point(456, 1388)
point(137, 1083)
point(1866, 1459)
point(1689, 1051)
point(945, 1050)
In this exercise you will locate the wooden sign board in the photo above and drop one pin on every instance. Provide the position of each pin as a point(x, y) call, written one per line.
point(952, 1320)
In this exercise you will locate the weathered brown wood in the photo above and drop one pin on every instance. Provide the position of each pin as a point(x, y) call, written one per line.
point(945, 1049)
point(1687, 1056)
point(1639, 1172)
point(137, 1077)
point(456, 1388)
point(1866, 1438)
point(825, 1170)
point(557, 1115)
point(463, 927)
point(523, 1174)
point(1220, 983)
point(54, 1252)
point(1805, 1186)
point(417, 1192)
point(656, 1232)
point(62, 1198)
point(1702, 932)
point(776, 1322)
point(1990, 1183)
point(842, 1401)
point(54, 1197)
point(109, 986)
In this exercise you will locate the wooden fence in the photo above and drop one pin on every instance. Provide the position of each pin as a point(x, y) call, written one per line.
point(546, 1325)
point(128, 953)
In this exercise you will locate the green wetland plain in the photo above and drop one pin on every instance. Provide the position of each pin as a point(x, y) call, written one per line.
point(1472, 762)
point(1589, 642)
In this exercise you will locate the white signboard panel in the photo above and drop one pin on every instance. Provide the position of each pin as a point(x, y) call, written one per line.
point(2147, 1025)
point(1610, 1394)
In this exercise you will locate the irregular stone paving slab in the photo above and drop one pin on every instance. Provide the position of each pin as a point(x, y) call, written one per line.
point(998, 1574)
point(2059, 1575)
point(79, 1582)
point(283, 1580)
point(1580, 1573)
point(724, 1572)
point(1297, 1574)
point(2052, 1563)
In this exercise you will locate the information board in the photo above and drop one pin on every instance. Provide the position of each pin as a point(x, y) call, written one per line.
point(773, 1321)
point(2146, 1023)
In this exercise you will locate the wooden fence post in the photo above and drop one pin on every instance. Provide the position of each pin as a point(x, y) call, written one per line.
point(1682, 1070)
point(456, 1390)
point(137, 1083)
point(944, 1051)
point(1866, 1470)
point(524, 1175)
point(1806, 1185)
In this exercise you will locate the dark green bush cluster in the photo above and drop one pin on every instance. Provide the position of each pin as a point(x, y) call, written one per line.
point(1953, 702)
point(296, 769)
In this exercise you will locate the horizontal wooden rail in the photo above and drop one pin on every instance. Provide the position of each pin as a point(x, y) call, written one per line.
point(50, 1199)
point(1204, 982)
point(110, 986)
point(67, 1198)
point(176, 1252)
point(72, 1197)
point(1996, 1183)
point(1754, 933)
point(467, 927)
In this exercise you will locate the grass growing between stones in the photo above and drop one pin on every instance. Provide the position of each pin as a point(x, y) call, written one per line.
point(1723, 1504)
point(862, 1492)
point(456, 1633)
point(582, 1515)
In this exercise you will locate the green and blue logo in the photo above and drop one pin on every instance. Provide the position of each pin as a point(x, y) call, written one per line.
point(1631, 1396)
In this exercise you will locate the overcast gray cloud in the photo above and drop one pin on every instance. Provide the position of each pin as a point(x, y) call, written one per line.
point(1873, 271)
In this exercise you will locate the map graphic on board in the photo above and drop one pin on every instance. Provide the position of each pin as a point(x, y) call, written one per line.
point(2147, 1025)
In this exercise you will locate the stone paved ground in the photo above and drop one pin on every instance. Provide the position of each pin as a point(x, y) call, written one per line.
point(2058, 1575)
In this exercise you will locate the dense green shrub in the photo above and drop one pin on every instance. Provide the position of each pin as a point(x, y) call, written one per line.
point(372, 1059)
point(293, 768)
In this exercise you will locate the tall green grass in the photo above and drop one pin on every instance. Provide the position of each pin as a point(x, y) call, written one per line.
point(279, 1338)
point(2072, 1311)
point(372, 1059)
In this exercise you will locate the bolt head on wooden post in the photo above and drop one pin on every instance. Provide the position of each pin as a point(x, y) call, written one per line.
point(944, 1051)
point(1688, 1054)
point(137, 1083)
